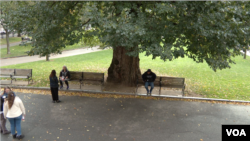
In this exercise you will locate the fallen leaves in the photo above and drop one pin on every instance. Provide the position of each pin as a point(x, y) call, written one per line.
point(100, 95)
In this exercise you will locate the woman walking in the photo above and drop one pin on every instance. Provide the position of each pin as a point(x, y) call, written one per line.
point(14, 110)
point(54, 86)
point(3, 120)
point(6, 91)
point(64, 76)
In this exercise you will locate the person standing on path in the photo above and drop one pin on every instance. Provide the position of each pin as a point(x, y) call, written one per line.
point(149, 77)
point(54, 86)
point(6, 91)
point(14, 110)
point(2, 119)
point(64, 76)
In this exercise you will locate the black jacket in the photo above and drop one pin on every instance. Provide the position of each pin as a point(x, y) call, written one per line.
point(67, 74)
point(149, 77)
point(2, 102)
point(53, 82)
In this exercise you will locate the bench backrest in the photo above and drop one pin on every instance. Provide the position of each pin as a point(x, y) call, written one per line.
point(93, 76)
point(156, 82)
point(76, 75)
point(23, 72)
point(172, 81)
point(7, 71)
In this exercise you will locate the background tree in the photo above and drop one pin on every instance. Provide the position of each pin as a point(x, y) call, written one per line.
point(52, 25)
point(6, 9)
point(211, 32)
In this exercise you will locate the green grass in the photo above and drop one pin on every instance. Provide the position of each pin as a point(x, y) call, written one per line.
point(227, 84)
point(11, 40)
point(21, 50)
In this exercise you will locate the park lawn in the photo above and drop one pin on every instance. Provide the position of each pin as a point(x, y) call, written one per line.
point(226, 84)
point(11, 40)
point(21, 50)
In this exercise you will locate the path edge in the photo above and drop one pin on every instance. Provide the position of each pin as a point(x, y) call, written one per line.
point(105, 94)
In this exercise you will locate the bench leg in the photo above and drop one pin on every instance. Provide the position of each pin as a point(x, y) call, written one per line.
point(102, 86)
point(136, 89)
point(160, 91)
point(81, 83)
point(182, 92)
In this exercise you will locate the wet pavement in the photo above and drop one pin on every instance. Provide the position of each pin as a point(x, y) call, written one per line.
point(108, 119)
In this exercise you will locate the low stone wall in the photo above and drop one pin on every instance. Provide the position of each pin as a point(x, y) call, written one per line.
point(46, 91)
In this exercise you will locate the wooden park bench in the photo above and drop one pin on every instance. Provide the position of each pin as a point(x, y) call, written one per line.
point(157, 82)
point(76, 76)
point(164, 81)
point(7, 73)
point(25, 41)
point(23, 73)
point(173, 82)
point(94, 76)
point(86, 76)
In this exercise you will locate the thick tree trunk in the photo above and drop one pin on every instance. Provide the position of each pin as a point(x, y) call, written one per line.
point(47, 57)
point(124, 69)
point(245, 53)
point(19, 34)
point(7, 42)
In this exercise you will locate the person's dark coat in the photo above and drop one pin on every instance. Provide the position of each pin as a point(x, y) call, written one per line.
point(149, 77)
point(2, 102)
point(53, 82)
point(67, 74)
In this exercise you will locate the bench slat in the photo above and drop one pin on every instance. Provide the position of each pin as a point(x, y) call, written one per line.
point(20, 77)
point(23, 72)
point(7, 71)
point(172, 81)
point(75, 76)
point(92, 76)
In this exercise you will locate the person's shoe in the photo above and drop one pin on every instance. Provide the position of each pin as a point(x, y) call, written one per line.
point(7, 132)
point(61, 87)
point(58, 101)
point(20, 137)
point(14, 136)
point(67, 87)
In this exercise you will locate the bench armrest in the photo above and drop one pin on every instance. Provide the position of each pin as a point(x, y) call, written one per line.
point(29, 75)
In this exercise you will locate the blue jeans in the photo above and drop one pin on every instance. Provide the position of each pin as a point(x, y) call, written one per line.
point(151, 84)
point(15, 125)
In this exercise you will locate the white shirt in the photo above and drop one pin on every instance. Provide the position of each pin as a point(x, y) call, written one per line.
point(16, 110)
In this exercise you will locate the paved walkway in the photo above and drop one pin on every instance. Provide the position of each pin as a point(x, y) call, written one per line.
point(109, 119)
point(26, 59)
point(12, 44)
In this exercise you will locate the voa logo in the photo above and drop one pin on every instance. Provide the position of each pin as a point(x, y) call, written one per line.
point(236, 132)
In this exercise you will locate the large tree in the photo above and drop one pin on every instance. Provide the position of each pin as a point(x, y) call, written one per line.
point(6, 9)
point(211, 32)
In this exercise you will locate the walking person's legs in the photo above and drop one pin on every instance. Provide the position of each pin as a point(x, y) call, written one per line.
point(152, 87)
point(146, 86)
point(18, 125)
point(56, 95)
point(12, 126)
point(2, 125)
point(53, 94)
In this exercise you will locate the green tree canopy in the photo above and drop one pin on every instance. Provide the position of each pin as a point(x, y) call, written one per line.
point(208, 31)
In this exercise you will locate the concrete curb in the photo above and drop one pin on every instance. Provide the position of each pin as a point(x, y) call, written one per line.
point(98, 94)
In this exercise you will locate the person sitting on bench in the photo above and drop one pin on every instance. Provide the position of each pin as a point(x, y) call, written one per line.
point(64, 76)
point(149, 77)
